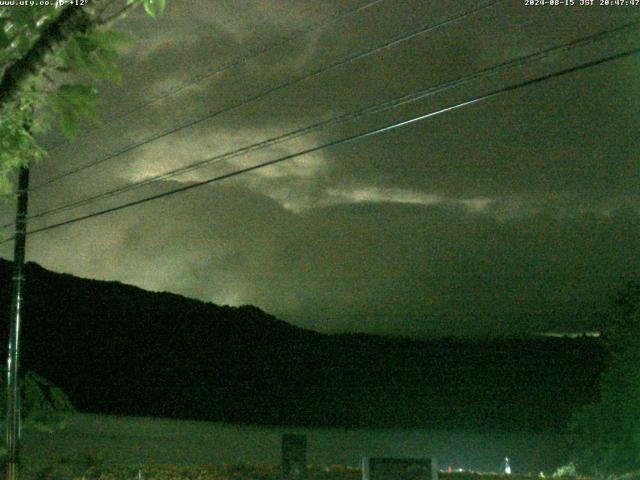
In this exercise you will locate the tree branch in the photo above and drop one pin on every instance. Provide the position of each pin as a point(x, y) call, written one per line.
point(71, 21)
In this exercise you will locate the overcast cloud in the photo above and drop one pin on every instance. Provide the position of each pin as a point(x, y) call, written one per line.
point(517, 214)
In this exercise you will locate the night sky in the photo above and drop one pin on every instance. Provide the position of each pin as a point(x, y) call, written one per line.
point(517, 214)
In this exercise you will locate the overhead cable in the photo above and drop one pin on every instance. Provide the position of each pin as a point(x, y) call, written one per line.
point(371, 109)
point(281, 86)
point(240, 60)
point(343, 141)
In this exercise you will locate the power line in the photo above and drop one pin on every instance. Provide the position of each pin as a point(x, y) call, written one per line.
point(343, 141)
point(393, 42)
point(240, 60)
point(376, 108)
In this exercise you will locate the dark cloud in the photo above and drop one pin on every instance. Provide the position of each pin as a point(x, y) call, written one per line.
point(379, 267)
point(516, 214)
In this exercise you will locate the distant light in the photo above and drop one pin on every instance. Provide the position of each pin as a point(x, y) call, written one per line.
point(506, 466)
point(569, 334)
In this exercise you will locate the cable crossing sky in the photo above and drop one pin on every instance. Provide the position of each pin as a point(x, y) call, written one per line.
point(371, 109)
point(240, 60)
point(282, 86)
point(366, 134)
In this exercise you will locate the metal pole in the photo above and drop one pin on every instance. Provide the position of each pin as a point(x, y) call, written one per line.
point(13, 389)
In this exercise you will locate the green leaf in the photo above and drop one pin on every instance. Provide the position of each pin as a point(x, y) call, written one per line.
point(73, 56)
point(44, 406)
point(4, 39)
point(154, 8)
point(111, 40)
point(74, 103)
point(17, 145)
point(96, 54)
point(23, 17)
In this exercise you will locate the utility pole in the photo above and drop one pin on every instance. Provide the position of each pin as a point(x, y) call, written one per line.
point(12, 423)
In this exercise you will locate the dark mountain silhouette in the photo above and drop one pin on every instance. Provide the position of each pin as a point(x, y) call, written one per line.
point(118, 349)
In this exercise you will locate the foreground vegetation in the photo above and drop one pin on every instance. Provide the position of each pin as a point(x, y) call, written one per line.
point(242, 472)
point(214, 472)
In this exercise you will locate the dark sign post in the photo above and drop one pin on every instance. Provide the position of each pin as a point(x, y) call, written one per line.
point(294, 456)
point(384, 468)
